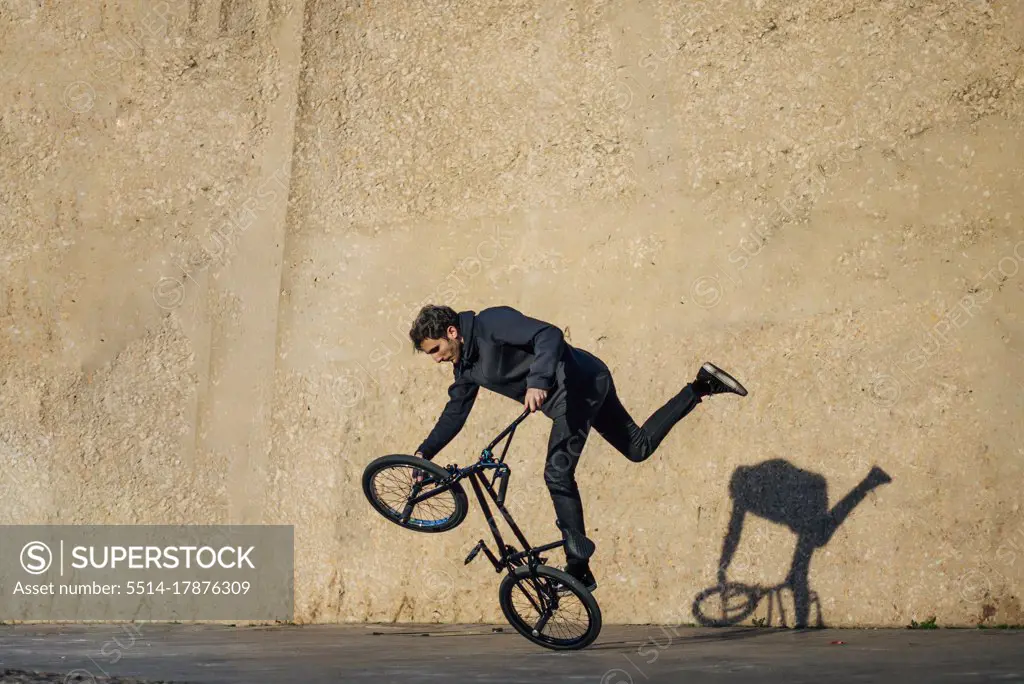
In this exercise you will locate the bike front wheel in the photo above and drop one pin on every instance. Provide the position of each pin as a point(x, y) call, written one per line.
point(431, 507)
point(550, 608)
point(726, 604)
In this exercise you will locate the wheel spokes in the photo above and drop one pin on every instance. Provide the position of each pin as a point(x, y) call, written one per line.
point(394, 488)
point(561, 619)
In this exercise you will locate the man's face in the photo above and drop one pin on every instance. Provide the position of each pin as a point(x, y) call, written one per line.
point(445, 350)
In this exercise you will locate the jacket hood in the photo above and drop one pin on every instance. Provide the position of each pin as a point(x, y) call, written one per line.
point(466, 325)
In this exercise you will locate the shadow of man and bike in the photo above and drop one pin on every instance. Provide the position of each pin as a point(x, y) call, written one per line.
point(798, 499)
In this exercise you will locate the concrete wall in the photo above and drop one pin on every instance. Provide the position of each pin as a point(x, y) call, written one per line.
point(218, 220)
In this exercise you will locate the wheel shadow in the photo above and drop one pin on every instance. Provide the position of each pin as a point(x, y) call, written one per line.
point(782, 493)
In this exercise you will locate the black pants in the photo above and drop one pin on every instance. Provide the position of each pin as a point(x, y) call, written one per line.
point(610, 419)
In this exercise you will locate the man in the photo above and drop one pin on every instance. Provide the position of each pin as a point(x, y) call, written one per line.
point(528, 360)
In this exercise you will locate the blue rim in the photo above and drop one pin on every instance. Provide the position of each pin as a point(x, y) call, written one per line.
point(428, 523)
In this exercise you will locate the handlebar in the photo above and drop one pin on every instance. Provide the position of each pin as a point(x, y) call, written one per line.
point(507, 431)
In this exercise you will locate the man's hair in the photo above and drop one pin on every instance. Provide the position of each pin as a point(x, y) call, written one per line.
point(432, 322)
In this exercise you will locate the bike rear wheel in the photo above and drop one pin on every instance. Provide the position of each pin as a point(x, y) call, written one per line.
point(550, 608)
point(388, 485)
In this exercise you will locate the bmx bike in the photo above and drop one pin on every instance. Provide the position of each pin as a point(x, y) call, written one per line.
point(544, 604)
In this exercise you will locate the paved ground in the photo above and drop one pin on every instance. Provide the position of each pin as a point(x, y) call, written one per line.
point(474, 653)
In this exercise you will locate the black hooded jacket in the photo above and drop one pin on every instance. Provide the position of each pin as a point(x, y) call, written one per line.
point(508, 353)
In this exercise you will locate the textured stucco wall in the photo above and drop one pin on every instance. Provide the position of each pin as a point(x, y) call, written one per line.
point(217, 220)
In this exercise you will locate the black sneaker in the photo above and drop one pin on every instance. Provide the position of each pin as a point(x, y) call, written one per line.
point(585, 577)
point(713, 380)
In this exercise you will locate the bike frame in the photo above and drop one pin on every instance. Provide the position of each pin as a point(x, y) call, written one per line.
point(546, 597)
point(509, 558)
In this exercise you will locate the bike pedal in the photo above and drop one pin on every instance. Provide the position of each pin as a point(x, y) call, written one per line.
point(474, 552)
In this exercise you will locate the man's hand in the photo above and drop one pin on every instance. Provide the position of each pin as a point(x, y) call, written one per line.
point(534, 398)
point(418, 475)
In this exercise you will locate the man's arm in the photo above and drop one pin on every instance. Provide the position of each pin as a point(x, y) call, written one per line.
point(512, 327)
point(461, 396)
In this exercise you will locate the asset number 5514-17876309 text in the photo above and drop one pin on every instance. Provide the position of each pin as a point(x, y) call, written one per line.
point(188, 587)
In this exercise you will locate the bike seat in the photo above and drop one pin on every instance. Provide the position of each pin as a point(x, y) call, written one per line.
point(578, 545)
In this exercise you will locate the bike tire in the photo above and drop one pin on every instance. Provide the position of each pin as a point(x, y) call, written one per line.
point(451, 492)
point(521, 577)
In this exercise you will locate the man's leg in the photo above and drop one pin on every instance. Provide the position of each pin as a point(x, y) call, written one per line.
point(568, 436)
point(637, 443)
